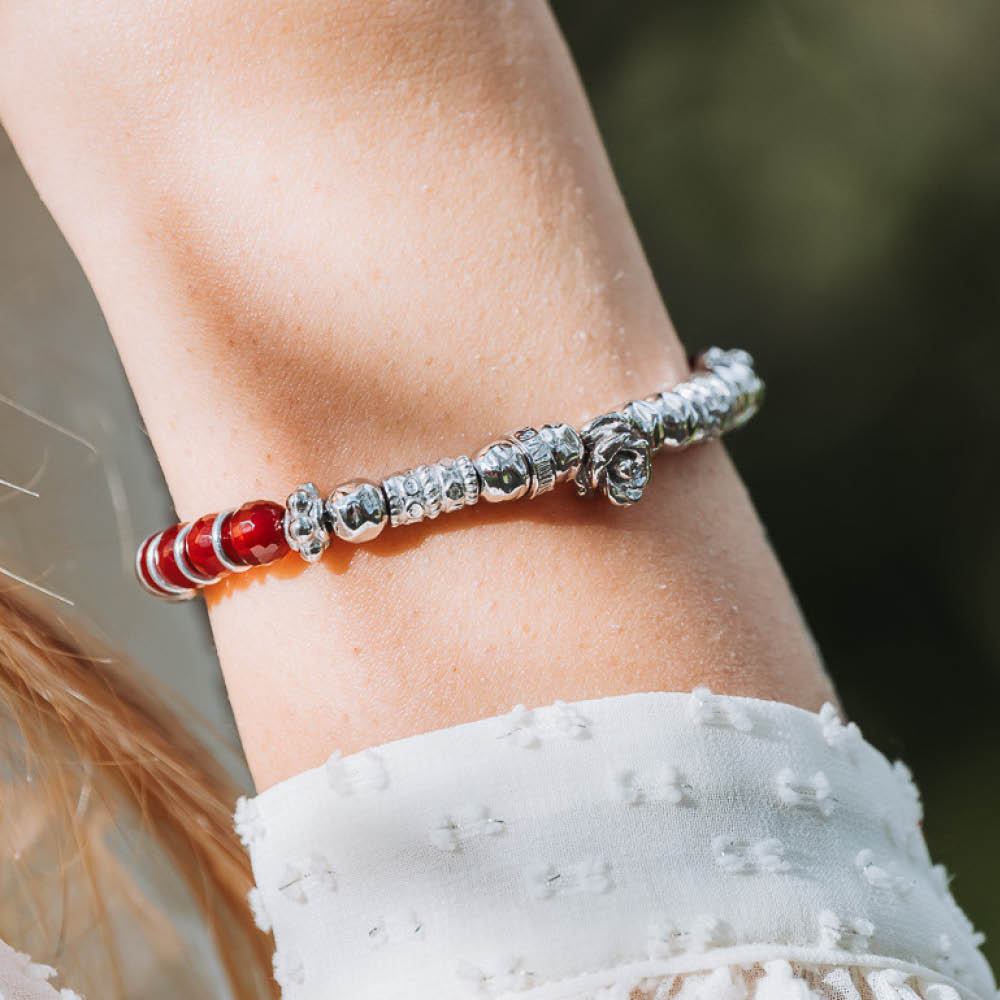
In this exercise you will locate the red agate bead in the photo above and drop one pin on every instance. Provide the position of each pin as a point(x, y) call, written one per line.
point(199, 550)
point(176, 562)
point(254, 534)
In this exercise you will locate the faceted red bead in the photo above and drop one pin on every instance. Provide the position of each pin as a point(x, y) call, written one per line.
point(143, 570)
point(165, 561)
point(198, 548)
point(255, 534)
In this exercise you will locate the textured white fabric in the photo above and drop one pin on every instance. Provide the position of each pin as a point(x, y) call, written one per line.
point(22, 979)
point(607, 845)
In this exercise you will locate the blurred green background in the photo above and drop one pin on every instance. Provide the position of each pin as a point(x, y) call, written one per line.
point(821, 183)
point(817, 182)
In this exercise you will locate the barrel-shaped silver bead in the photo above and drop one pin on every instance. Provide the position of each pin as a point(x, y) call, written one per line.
point(428, 490)
point(356, 511)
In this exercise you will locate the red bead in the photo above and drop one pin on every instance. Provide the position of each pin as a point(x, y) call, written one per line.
point(165, 561)
point(254, 534)
point(198, 548)
point(143, 571)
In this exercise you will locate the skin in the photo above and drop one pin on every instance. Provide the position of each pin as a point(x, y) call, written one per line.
point(340, 239)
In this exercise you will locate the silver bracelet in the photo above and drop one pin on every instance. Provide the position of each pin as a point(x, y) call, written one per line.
point(610, 455)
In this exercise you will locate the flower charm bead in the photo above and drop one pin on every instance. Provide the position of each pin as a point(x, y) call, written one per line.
point(305, 526)
point(617, 459)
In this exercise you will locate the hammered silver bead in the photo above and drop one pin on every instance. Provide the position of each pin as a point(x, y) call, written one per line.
point(678, 416)
point(305, 526)
point(565, 448)
point(647, 420)
point(504, 470)
point(721, 401)
point(357, 511)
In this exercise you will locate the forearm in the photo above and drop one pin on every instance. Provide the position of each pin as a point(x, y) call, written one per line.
point(331, 242)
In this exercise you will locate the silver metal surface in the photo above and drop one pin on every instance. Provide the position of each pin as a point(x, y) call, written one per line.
point(428, 490)
point(357, 511)
point(220, 552)
point(505, 471)
point(618, 459)
point(306, 530)
point(139, 563)
point(153, 568)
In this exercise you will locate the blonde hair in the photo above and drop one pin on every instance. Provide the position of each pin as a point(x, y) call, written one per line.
point(118, 860)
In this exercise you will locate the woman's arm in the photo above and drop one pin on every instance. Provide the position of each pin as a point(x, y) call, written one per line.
point(340, 238)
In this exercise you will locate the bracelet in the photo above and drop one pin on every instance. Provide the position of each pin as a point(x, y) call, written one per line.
point(609, 455)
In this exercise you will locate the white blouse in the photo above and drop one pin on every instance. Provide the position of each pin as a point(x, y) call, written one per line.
point(671, 844)
point(641, 847)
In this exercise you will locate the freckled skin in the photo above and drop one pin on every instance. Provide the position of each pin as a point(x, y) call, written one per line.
point(335, 240)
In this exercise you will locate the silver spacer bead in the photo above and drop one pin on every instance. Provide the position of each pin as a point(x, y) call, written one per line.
point(153, 568)
point(428, 490)
point(306, 530)
point(218, 550)
point(536, 449)
point(181, 559)
point(357, 511)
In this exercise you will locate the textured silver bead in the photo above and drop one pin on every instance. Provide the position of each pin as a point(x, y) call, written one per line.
point(357, 511)
point(736, 369)
point(647, 419)
point(306, 530)
point(428, 490)
point(721, 400)
point(617, 460)
point(679, 418)
point(529, 462)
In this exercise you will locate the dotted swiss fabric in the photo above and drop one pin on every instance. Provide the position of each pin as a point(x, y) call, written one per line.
point(657, 845)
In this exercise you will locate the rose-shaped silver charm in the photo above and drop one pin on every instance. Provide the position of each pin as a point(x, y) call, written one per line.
point(616, 461)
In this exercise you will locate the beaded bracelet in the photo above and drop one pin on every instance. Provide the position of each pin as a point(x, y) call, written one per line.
point(609, 455)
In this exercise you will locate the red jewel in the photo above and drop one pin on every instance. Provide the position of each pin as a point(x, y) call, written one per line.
point(198, 548)
point(165, 561)
point(254, 534)
point(143, 570)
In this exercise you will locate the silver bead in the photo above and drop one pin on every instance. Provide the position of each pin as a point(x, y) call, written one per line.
point(505, 471)
point(566, 448)
point(357, 511)
point(218, 549)
point(678, 416)
point(306, 530)
point(529, 462)
point(713, 358)
point(617, 459)
point(721, 400)
point(647, 420)
point(428, 490)
point(151, 563)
